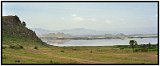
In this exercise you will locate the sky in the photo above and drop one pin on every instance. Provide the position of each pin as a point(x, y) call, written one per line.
point(112, 17)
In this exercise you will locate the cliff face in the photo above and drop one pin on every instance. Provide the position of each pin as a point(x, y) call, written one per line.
point(12, 27)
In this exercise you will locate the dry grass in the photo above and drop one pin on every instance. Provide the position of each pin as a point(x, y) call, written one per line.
point(78, 55)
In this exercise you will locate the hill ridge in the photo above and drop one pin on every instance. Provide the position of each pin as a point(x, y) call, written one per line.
point(14, 30)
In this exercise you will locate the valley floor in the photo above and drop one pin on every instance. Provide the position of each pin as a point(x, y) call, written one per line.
point(77, 55)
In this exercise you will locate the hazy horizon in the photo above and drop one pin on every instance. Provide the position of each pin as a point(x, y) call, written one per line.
point(113, 17)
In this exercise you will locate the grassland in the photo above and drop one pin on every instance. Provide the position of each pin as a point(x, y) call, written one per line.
point(77, 55)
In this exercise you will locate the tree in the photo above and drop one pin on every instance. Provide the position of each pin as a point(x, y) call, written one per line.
point(16, 17)
point(133, 44)
point(149, 45)
point(23, 23)
point(35, 47)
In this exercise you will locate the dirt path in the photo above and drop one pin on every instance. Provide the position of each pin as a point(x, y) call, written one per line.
point(79, 60)
point(83, 61)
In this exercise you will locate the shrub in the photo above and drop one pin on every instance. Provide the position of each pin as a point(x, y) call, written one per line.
point(35, 47)
point(137, 50)
point(51, 62)
point(121, 48)
point(62, 51)
point(21, 47)
point(91, 51)
point(23, 23)
point(17, 60)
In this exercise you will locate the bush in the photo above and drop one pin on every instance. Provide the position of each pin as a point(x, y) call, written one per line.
point(23, 23)
point(62, 51)
point(51, 62)
point(21, 47)
point(17, 60)
point(91, 51)
point(121, 48)
point(35, 47)
point(141, 50)
point(137, 50)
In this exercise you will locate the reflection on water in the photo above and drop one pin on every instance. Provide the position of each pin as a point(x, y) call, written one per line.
point(98, 42)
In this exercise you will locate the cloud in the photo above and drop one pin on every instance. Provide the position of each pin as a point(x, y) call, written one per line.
point(91, 19)
point(73, 15)
point(78, 18)
point(121, 19)
point(108, 21)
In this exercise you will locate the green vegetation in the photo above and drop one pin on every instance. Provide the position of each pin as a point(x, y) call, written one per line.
point(13, 31)
point(35, 47)
point(140, 48)
point(23, 23)
point(82, 55)
point(133, 44)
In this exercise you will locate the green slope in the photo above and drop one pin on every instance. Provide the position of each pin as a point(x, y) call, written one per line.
point(15, 32)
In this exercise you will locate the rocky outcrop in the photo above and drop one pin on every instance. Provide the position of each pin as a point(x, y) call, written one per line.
point(13, 27)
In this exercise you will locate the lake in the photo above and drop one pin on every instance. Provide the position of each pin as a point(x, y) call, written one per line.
point(100, 42)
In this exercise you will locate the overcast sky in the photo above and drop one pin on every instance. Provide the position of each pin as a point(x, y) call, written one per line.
point(116, 17)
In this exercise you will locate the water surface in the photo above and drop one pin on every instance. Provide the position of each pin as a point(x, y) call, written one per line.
point(100, 42)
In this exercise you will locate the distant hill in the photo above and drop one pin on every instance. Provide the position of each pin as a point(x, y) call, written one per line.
point(74, 32)
point(40, 31)
point(56, 35)
point(15, 32)
point(82, 31)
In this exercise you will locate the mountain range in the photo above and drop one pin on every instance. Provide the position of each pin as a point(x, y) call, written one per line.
point(80, 32)
point(76, 31)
